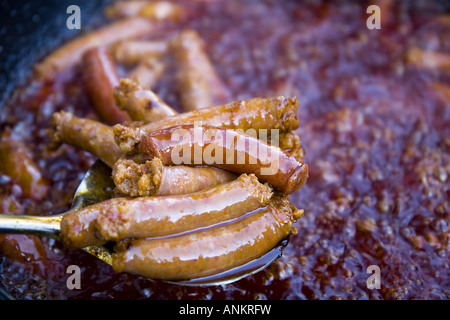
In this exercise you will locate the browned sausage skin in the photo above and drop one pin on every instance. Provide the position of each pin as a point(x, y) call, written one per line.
point(92, 136)
point(130, 52)
point(98, 139)
point(161, 216)
point(154, 10)
point(148, 72)
point(198, 83)
point(428, 59)
point(141, 103)
point(208, 251)
point(256, 113)
point(78, 229)
point(69, 55)
point(153, 179)
point(100, 78)
point(17, 163)
point(225, 149)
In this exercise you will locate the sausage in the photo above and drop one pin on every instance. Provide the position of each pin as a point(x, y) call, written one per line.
point(140, 103)
point(155, 10)
point(120, 9)
point(22, 248)
point(145, 58)
point(98, 139)
point(225, 149)
point(427, 59)
point(148, 72)
point(146, 217)
point(69, 55)
point(209, 251)
point(256, 113)
point(92, 136)
point(199, 85)
point(130, 52)
point(16, 162)
point(78, 229)
point(100, 78)
point(154, 179)
point(161, 216)
point(441, 91)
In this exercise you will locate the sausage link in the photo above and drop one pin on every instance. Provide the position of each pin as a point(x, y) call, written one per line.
point(119, 218)
point(78, 229)
point(130, 52)
point(22, 248)
point(148, 72)
point(210, 251)
point(98, 139)
point(226, 149)
point(17, 162)
point(66, 57)
point(427, 59)
point(161, 216)
point(154, 179)
point(256, 113)
point(140, 103)
point(100, 78)
point(154, 10)
point(92, 136)
point(199, 85)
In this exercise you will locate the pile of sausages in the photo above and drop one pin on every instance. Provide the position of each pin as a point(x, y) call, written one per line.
point(185, 220)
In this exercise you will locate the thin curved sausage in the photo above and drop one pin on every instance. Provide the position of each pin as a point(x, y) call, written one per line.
point(209, 251)
point(199, 84)
point(152, 10)
point(256, 113)
point(154, 179)
point(100, 78)
point(118, 218)
point(16, 161)
point(92, 136)
point(225, 149)
point(130, 52)
point(98, 139)
point(66, 57)
point(78, 228)
point(141, 103)
point(161, 216)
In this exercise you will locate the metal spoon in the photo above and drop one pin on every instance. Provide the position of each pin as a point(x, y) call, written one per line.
point(96, 186)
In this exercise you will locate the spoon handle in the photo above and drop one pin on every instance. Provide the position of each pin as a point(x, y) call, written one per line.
point(33, 225)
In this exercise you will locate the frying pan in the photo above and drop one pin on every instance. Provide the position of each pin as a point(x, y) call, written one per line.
point(29, 30)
